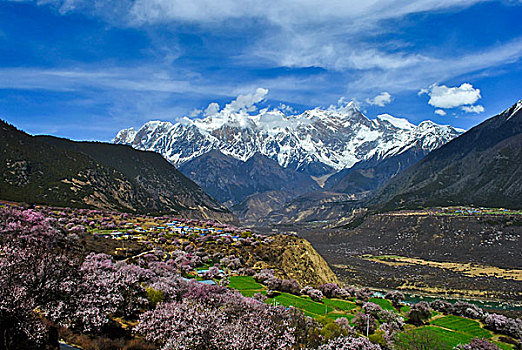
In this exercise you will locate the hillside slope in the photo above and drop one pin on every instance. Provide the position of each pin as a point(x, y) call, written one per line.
point(231, 180)
point(453, 250)
point(49, 170)
point(482, 167)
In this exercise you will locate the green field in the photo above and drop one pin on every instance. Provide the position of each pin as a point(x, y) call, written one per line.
point(452, 329)
point(340, 304)
point(462, 325)
point(453, 338)
point(384, 303)
point(302, 303)
point(450, 337)
point(242, 283)
point(336, 316)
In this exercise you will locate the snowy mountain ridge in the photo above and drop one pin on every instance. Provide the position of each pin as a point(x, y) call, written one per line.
point(316, 141)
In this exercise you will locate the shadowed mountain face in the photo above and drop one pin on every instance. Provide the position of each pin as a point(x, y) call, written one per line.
point(367, 175)
point(231, 181)
point(49, 170)
point(482, 167)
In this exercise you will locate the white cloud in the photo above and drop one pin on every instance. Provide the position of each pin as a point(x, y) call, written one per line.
point(442, 96)
point(286, 109)
point(328, 33)
point(440, 112)
point(246, 102)
point(212, 109)
point(438, 68)
point(473, 109)
point(195, 113)
point(281, 12)
point(380, 100)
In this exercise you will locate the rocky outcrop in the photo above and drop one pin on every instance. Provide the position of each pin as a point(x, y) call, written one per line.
point(294, 257)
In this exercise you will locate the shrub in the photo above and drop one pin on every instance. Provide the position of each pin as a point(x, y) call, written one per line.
point(461, 308)
point(442, 306)
point(395, 297)
point(154, 296)
point(313, 293)
point(363, 295)
point(290, 286)
point(419, 313)
point(372, 309)
point(330, 290)
point(504, 325)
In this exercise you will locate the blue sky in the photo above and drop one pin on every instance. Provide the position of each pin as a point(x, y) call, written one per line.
point(84, 69)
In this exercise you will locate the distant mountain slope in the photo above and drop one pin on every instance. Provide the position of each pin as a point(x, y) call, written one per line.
point(230, 180)
point(367, 175)
point(482, 167)
point(49, 170)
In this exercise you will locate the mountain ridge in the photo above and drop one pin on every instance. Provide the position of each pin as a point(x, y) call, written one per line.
point(482, 167)
point(316, 142)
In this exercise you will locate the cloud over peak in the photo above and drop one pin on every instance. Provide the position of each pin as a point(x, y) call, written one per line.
point(380, 100)
point(473, 109)
point(242, 103)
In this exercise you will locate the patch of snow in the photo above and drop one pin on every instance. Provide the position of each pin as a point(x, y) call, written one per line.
point(401, 123)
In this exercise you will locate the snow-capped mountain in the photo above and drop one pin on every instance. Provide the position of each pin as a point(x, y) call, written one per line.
point(316, 142)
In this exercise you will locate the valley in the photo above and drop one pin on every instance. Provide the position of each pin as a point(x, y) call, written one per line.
point(450, 251)
point(151, 260)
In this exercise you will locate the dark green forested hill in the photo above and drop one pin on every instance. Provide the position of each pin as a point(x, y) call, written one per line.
point(482, 167)
point(50, 170)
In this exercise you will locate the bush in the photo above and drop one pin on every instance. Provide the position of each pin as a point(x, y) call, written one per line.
point(154, 296)
point(363, 295)
point(442, 306)
point(330, 290)
point(419, 313)
point(313, 293)
point(364, 323)
point(395, 297)
point(372, 309)
point(504, 325)
point(461, 308)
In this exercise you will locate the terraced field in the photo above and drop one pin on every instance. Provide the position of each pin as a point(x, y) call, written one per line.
point(453, 338)
point(340, 304)
point(453, 330)
point(384, 303)
point(462, 325)
point(303, 303)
